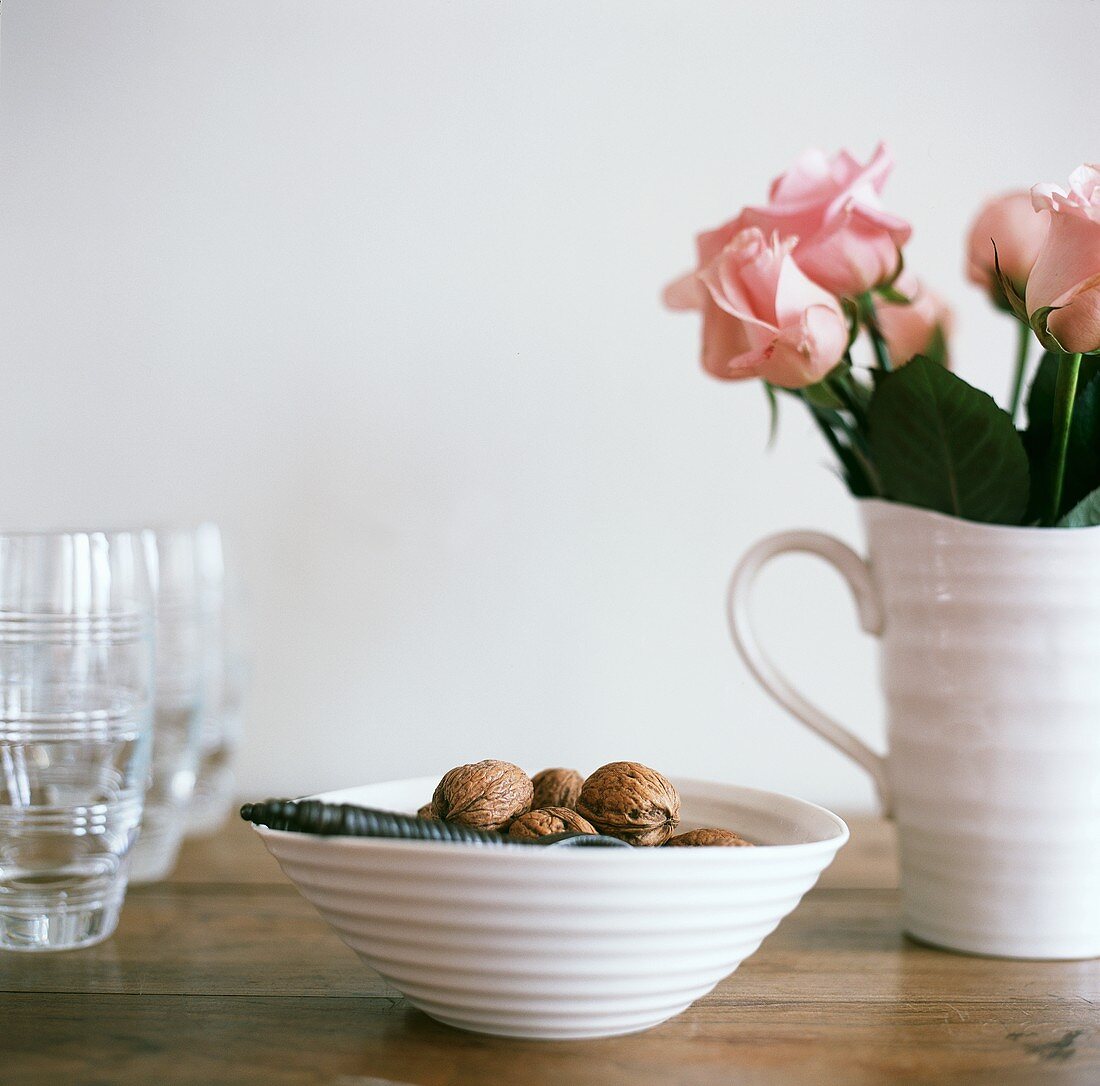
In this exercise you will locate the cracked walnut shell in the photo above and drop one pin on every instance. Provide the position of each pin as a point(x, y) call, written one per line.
point(632, 802)
point(709, 837)
point(487, 794)
point(556, 788)
point(544, 821)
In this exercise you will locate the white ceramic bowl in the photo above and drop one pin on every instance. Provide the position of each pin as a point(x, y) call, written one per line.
point(562, 943)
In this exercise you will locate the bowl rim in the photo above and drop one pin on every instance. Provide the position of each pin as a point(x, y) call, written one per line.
point(752, 796)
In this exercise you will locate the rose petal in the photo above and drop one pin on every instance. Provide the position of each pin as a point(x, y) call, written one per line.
point(1070, 254)
point(1076, 325)
point(687, 292)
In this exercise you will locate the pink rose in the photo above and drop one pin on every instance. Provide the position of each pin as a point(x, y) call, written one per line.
point(688, 291)
point(1066, 275)
point(846, 242)
point(762, 317)
point(1018, 230)
point(912, 329)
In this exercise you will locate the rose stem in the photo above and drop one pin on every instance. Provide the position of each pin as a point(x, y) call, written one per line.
point(1065, 389)
point(839, 385)
point(1021, 368)
point(867, 314)
point(839, 449)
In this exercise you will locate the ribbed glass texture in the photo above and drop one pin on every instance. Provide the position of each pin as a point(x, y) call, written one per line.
point(76, 699)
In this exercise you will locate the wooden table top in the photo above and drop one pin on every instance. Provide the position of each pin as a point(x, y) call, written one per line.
point(225, 975)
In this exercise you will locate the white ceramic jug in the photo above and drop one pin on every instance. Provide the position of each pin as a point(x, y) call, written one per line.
point(990, 665)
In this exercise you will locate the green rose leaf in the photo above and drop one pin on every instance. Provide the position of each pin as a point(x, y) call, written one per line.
point(941, 444)
point(1083, 452)
point(1012, 301)
point(773, 413)
point(821, 395)
point(1084, 514)
point(936, 351)
point(1040, 397)
point(892, 294)
point(1045, 336)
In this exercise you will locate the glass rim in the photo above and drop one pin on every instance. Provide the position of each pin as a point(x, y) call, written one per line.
point(69, 531)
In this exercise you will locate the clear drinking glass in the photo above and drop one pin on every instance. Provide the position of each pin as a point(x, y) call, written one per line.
point(174, 560)
point(76, 683)
point(226, 681)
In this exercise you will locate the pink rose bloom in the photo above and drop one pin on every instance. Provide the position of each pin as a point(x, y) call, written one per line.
point(911, 329)
point(688, 291)
point(1018, 230)
point(1067, 271)
point(762, 317)
point(846, 242)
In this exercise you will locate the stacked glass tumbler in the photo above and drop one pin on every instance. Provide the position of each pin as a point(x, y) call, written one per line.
point(226, 677)
point(76, 713)
point(182, 646)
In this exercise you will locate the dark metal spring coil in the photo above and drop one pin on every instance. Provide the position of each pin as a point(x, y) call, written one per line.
point(347, 820)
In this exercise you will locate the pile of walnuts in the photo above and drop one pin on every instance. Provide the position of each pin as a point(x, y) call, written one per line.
point(622, 799)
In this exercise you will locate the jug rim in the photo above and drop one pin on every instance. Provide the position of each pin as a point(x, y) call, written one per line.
point(882, 508)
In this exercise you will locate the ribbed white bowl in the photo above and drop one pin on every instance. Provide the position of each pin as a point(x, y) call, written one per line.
point(561, 943)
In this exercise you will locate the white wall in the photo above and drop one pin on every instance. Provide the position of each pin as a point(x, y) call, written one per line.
point(375, 285)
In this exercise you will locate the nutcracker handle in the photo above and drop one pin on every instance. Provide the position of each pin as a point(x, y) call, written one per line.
point(348, 820)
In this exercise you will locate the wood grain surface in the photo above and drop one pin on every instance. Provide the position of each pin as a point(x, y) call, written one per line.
point(225, 975)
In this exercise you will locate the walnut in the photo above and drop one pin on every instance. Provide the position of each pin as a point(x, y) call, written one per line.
point(488, 794)
point(710, 837)
point(632, 802)
point(556, 788)
point(425, 811)
point(547, 820)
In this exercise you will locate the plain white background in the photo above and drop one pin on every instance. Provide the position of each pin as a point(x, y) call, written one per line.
point(375, 285)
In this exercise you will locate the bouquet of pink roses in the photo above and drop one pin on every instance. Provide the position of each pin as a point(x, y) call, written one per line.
point(786, 290)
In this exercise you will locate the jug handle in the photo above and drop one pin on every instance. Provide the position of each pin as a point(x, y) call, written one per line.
point(856, 573)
